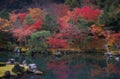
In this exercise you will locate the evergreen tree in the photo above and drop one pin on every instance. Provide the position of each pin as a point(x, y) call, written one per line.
point(28, 20)
point(111, 14)
point(49, 24)
point(73, 3)
point(38, 40)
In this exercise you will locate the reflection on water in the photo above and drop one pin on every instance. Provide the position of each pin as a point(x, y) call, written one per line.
point(75, 67)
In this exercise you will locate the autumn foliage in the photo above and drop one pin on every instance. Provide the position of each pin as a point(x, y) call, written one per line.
point(86, 13)
point(53, 27)
point(4, 24)
point(22, 16)
point(36, 25)
point(21, 34)
point(60, 10)
point(26, 30)
point(73, 26)
point(57, 42)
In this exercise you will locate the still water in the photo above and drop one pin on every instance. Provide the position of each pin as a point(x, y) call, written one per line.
point(75, 66)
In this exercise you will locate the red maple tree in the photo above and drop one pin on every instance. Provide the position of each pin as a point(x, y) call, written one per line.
point(21, 34)
point(60, 10)
point(22, 16)
point(86, 12)
point(36, 25)
point(57, 42)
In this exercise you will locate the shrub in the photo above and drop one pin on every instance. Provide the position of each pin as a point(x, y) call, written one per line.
point(18, 69)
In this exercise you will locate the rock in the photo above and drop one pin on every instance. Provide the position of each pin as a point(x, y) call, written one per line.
point(108, 54)
point(38, 72)
point(117, 58)
point(7, 73)
point(32, 67)
point(24, 63)
point(11, 61)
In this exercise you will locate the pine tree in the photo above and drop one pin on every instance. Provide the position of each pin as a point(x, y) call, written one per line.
point(28, 20)
point(49, 24)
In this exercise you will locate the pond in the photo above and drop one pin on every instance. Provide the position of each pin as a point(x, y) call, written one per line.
point(74, 66)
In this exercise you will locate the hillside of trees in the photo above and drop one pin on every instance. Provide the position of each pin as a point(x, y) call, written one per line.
point(42, 24)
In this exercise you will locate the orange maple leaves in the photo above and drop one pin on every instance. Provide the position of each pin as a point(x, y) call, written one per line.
point(4, 24)
point(26, 30)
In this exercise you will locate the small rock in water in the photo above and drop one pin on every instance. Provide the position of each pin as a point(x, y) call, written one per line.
point(38, 72)
point(117, 58)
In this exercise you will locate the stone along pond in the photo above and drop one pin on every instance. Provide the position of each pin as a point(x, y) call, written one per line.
point(72, 66)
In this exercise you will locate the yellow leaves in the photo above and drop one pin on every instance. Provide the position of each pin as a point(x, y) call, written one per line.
point(37, 13)
point(114, 13)
point(110, 42)
point(97, 29)
point(65, 19)
point(4, 23)
point(13, 16)
point(110, 39)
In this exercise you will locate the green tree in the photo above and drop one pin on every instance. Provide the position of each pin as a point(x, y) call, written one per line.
point(107, 4)
point(83, 24)
point(28, 20)
point(111, 19)
point(49, 24)
point(73, 3)
point(38, 40)
point(4, 13)
point(18, 69)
